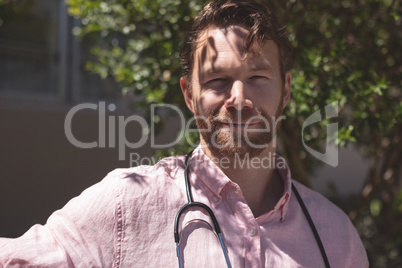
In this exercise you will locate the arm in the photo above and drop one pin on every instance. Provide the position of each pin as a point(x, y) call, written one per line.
point(81, 234)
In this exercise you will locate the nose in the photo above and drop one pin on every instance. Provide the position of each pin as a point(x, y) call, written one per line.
point(238, 98)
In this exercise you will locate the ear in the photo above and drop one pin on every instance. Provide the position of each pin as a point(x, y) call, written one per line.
point(286, 88)
point(185, 88)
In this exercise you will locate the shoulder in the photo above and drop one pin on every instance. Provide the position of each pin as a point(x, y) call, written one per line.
point(146, 180)
point(336, 230)
point(316, 202)
point(126, 184)
point(167, 168)
point(324, 213)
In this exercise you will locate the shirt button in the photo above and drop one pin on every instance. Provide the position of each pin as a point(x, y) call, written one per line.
point(251, 232)
point(215, 199)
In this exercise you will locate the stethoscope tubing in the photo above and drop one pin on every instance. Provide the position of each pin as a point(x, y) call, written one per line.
point(192, 204)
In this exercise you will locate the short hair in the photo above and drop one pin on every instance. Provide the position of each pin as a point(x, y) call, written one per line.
point(258, 19)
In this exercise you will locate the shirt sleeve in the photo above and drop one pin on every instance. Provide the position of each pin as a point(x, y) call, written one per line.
point(81, 234)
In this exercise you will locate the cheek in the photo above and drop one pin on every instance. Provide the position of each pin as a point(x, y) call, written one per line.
point(209, 100)
point(269, 101)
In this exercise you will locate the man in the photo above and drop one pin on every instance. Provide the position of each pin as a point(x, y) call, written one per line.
point(236, 84)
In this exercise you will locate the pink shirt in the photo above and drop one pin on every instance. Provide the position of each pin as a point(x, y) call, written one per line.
point(127, 219)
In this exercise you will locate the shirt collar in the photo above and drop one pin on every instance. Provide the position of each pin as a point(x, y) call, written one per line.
point(208, 172)
point(204, 169)
point(284, 173)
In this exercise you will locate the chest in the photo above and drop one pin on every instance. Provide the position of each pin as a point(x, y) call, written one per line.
point(149, 238)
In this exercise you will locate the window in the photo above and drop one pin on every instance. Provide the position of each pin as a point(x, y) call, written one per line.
point(30, 54)
point(41, 59)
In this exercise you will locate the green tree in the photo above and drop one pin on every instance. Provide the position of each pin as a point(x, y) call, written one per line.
point(346, 52)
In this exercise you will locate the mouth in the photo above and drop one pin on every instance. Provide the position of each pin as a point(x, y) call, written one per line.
point(239, 125)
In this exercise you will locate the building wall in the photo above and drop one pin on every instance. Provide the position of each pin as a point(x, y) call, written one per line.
point(40, 170)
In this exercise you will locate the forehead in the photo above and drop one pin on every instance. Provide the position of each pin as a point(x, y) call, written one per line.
point(226, 47)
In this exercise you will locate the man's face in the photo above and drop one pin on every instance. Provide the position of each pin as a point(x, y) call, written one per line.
point(237, 98)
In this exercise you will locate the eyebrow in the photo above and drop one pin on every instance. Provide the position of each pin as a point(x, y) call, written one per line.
point(214, 70)
point(261, 68)
point(255, 68)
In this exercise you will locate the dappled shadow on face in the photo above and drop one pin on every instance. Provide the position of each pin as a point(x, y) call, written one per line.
point(208, 53)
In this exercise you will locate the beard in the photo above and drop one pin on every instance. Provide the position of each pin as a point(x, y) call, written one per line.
point(225, 138)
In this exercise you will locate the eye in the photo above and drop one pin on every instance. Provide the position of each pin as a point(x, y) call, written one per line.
point(217, 83)
point(217, 80)
point(258, 77)
point(258, 80)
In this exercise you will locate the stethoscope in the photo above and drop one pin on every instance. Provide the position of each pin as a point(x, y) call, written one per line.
point(216, 227)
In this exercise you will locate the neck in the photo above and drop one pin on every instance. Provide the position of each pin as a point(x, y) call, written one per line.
point(260, 185)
